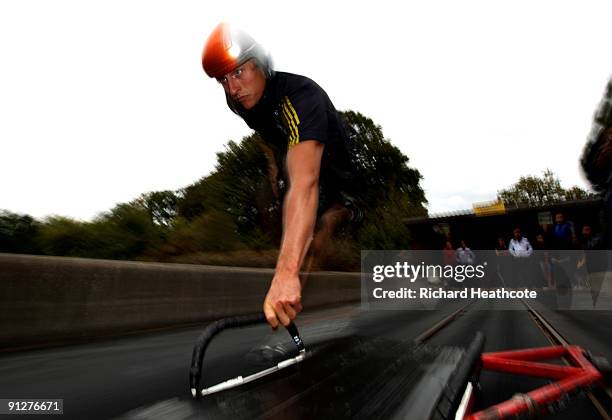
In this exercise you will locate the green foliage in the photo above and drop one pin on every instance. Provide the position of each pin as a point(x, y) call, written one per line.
point(66, 237)
point(211, 231)
point(390, 189)
point(534, 191)
point(236, 196)
point(577, 193)
point(382, 169)
point(162, 206)
point(126, 232)
point(382, 227)
point(18, 233)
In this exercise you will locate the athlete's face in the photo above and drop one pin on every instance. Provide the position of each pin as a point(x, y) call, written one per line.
point(245, 84)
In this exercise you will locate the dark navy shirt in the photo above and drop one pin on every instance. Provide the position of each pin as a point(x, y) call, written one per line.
point(293, 109)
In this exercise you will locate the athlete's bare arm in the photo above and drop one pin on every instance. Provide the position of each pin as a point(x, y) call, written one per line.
point(283, 301)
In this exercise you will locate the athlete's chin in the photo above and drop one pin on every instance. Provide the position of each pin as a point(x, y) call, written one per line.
point(247, 103)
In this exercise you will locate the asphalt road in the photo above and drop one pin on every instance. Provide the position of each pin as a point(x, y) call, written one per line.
point(362, 364)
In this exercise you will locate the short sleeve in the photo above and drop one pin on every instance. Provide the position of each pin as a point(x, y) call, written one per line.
point(304, 113)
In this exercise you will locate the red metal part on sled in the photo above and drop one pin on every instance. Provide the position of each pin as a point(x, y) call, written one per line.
point(569, 379)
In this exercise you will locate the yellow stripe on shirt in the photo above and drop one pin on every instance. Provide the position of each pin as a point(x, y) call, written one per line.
point(292, 120)
point(291, 127)
point(292, 109)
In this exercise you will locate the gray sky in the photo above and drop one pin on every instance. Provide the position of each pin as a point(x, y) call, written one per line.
point(101, 101)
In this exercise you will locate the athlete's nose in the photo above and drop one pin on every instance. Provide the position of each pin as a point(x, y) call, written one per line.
point(233, 86)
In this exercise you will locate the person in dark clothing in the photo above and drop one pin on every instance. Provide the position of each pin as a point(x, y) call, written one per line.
point(307, 148)
point(563, 232)
point(593, 259)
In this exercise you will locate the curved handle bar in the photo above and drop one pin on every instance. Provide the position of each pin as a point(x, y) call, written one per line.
point(197, 358)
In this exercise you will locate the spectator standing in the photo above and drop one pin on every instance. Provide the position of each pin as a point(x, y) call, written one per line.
point(519, 245)
point(563, 260)
point(589, 241)
point(563, 232)
point(593, 259)
point(464, 255)
point(520, 249)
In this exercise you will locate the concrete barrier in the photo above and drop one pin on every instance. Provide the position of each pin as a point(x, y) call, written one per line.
point(55, 299)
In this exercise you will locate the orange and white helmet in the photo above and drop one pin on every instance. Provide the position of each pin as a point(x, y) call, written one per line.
point(227, 48)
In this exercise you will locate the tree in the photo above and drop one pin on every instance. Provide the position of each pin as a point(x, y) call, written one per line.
point(577, 193)
point(389, 188)
point(18, 233)
point(63, 236)
point(382, 169)
point(534, 191)
point(162, 206)
point(382, 228)
point(240, 188)
point(125, 232)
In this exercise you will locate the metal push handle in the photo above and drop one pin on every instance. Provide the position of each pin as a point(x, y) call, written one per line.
point(203, 341)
